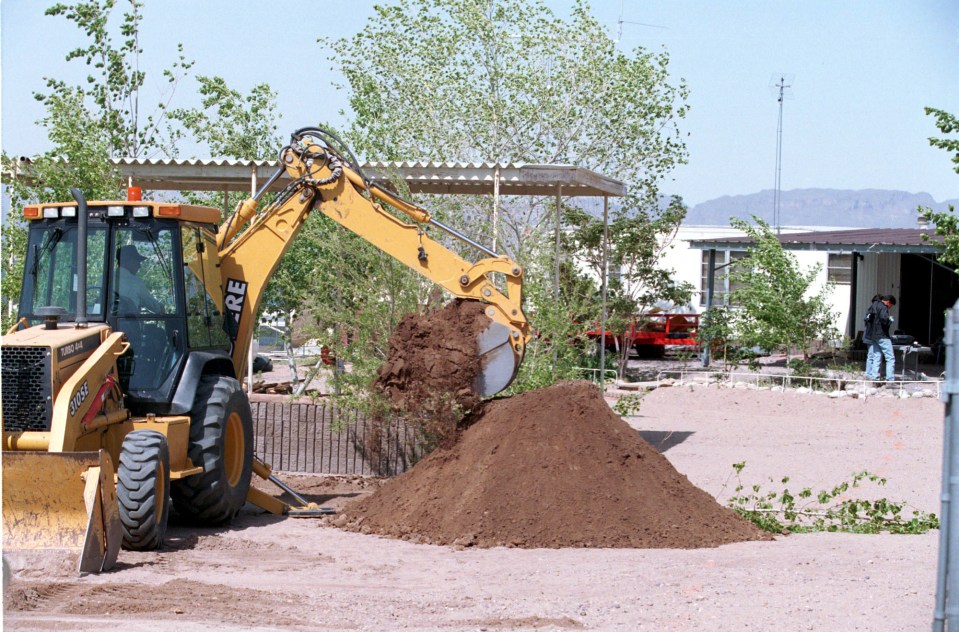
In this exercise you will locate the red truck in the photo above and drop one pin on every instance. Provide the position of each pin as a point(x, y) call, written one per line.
point(651, 333)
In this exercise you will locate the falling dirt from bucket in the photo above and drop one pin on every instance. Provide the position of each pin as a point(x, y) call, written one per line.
point(549, 468)
point(431, 365)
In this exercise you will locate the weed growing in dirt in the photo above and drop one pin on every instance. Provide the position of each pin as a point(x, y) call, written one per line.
point(628, 404)
point(685, 356)
point(827, 510)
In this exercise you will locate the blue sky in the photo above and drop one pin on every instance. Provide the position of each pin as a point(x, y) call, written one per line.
point(863, 71)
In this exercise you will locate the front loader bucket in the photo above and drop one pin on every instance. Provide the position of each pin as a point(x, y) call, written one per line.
point(62, 501)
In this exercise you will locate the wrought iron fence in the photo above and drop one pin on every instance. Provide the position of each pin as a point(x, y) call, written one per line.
point(323, 438)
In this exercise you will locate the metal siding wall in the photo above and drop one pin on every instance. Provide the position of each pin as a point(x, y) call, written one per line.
point(868, 285)
point(878, 274)
point(889, 274)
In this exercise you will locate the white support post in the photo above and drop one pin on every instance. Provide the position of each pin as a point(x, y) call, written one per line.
point(605, 275)
point(249, 356)
point(495, 205)
point(710, 292)
point(559, 197)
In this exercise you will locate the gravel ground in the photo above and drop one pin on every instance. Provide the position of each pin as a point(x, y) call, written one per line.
point(270, 573)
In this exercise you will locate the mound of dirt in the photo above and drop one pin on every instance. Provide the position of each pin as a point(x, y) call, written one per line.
point(434, 358)
point(550, 468)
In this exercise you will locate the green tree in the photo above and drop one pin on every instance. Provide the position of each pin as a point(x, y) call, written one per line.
point(79, 158)
point(231, 124)
point(115, 82)
point(87, 125)
point(637, 242)
point(777, 307)
point(946, 222)
point(508, 81)
point(716, 330)
point(13, 243)
point(358, 296)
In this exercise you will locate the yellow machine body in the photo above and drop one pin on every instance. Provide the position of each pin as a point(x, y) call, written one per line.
point(61, 459)
point(62, 501)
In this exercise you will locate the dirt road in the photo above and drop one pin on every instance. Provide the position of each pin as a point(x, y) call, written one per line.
point(267, 573)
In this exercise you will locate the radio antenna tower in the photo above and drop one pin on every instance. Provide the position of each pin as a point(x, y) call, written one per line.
point(620, 22)
point(781, 85)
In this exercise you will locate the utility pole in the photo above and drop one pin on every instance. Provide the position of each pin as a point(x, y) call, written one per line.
point(781, 86)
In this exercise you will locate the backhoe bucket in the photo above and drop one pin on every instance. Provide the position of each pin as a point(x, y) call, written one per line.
point(499, 362)
point(62, 501)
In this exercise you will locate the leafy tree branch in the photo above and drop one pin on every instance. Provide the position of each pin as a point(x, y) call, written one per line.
point(946, 223)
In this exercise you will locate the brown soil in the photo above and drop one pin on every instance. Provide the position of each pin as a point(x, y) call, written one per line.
point(434, 357)
point(550, 468)
point(266, 572)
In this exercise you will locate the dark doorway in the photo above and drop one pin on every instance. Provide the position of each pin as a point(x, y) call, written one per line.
point(928, 289)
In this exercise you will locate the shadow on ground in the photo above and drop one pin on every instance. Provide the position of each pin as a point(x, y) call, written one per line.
point(663, 440)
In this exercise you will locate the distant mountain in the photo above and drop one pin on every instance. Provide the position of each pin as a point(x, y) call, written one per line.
point(869, 208)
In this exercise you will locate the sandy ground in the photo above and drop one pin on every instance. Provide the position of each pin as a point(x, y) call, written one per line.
point(269, 573)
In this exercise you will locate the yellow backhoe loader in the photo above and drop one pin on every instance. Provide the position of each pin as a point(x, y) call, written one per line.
point(120, 389)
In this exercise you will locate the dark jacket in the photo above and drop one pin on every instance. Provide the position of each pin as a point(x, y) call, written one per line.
point(877, 321)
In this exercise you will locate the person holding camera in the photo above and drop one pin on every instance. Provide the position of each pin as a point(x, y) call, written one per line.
point(876, 335)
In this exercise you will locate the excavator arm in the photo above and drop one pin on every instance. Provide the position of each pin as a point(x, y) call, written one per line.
point(325, 180)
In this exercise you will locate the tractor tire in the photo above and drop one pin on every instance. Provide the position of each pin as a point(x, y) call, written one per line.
point(143, 489)
point(221, 441)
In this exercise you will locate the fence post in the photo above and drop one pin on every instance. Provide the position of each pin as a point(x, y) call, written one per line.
point(947, 578)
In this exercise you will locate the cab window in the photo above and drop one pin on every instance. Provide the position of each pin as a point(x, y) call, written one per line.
point(143, 274)
point(214, 291)
point(52, 270)
point(203, 291)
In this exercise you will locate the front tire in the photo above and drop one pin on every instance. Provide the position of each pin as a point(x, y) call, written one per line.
point(221, 441)
point(143, 489)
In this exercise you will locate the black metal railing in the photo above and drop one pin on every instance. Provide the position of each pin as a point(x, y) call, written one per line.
point(323, 438)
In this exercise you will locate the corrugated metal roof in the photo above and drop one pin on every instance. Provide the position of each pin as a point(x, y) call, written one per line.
point(209, 174)
point(907, 240)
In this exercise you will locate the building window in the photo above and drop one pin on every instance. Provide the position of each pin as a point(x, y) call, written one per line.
point(722, 287)
point(840, 269)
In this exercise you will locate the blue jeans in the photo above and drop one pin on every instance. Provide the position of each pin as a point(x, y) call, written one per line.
point(877, 350)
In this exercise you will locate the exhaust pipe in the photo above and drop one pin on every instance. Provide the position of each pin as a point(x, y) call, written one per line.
point(81, 319)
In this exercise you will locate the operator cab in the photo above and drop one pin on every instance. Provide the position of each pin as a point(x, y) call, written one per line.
point(151, 273)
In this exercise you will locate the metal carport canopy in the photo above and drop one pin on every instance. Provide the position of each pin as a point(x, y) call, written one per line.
point(901, 240)
point(421, 177)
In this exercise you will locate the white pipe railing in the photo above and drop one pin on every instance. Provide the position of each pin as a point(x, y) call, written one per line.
point(794, 381)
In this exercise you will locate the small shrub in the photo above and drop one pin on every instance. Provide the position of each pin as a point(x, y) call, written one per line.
point(628, 404)
point(806, 511)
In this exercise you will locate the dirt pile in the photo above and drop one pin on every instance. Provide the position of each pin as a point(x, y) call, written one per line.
point(433, 358)
point(548, 469)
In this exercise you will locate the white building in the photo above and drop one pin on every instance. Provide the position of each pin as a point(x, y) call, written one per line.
point(859, 262)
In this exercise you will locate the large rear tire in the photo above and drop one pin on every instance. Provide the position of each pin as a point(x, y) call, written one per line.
point(143, 489)
point(221, 441)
